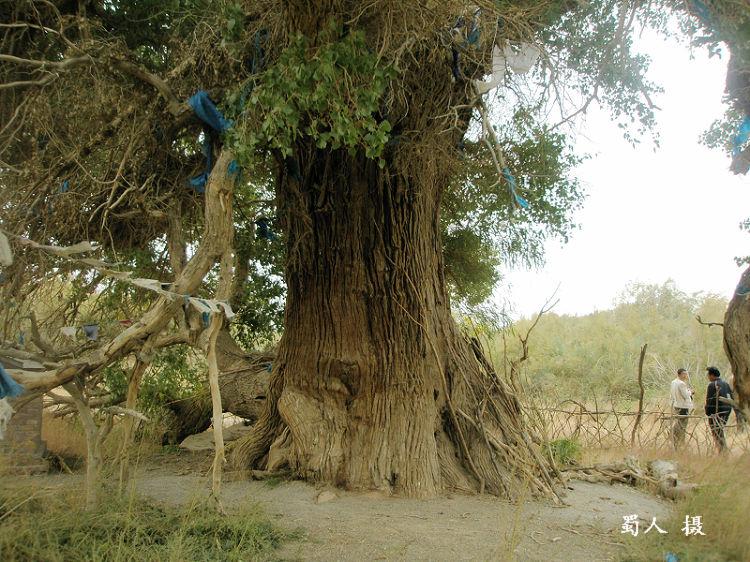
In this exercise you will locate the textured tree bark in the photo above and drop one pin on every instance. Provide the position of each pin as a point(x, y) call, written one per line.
point(95, 436)
point(129, 423)
point(373, 386)
point(737, 338)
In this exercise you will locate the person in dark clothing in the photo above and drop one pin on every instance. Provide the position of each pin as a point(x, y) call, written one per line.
point(716, 410)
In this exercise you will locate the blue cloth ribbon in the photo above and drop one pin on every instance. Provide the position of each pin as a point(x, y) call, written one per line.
point(64, 186)
point(743, 133)
point(206, 319)
point(207, 111)
point(9, 387)
point(198, 183)
point(91, 331)
point(520, 201)
point(264, 231)
point(259, 56)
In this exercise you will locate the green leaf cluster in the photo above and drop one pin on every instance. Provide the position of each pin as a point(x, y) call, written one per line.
point(481, 229)
point(329, 93)
point(176, 372)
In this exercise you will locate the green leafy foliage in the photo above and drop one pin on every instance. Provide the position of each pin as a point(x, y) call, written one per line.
point(565, 451)
point(176, 372)
point(330, 93)
point(481, 228)
point(471, 266)
point(597, 354)
point(592, 59)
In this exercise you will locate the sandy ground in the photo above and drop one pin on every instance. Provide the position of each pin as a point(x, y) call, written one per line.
point(362, 526)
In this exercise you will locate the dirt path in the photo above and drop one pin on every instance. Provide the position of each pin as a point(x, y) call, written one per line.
point(356, 526)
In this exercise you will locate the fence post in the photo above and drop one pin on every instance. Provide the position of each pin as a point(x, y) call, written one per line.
point(640, 399)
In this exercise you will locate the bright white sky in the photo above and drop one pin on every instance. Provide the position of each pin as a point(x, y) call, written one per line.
point(650, 215)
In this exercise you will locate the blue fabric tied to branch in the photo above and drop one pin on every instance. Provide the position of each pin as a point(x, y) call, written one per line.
point(264, 231)
point(206, 317)
point(259, 56)
point(471, 38)
point(91, 331)
point(9, 387)
point(520, 201)
point(743, 134)
point(198, 183)
point(207, 111)
point(64, 186)
point(234, 170)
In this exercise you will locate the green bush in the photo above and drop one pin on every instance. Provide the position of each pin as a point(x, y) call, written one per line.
point(53, 526)
point(565, 451)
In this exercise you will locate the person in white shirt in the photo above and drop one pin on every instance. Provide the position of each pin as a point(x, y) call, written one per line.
point(682, 403)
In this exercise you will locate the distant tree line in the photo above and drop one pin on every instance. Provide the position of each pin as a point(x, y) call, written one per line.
point(577, 356)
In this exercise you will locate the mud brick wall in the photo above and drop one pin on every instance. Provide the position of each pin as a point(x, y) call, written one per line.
point(23, 449)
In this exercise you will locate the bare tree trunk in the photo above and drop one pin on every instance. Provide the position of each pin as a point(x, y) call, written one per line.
point(737, 338)
point(129, 422)
point(377, 387)
point(95, 436)
point(223, 292)
point(217, 412)
point(640, 395)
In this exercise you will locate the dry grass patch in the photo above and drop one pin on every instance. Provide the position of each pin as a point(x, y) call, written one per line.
point(52, 525)
point(722, 502)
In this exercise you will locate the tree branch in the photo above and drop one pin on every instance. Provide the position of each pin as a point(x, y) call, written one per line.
point(174, 106)
point(709, 324)
point(39, 341)
point(216, 235)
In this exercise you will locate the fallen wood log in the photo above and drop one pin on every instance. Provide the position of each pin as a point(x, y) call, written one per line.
point(659, 476)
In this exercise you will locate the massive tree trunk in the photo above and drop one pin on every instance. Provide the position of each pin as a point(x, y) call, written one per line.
point(737, 338)
point(373, 386)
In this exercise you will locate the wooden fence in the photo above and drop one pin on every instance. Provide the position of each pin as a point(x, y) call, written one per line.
point(610, 428)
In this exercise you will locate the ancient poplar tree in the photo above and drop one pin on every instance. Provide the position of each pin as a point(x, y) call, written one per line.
point(169, 131)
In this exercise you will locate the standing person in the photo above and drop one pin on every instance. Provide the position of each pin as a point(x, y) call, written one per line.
point(716, 410)
point(682, 403)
